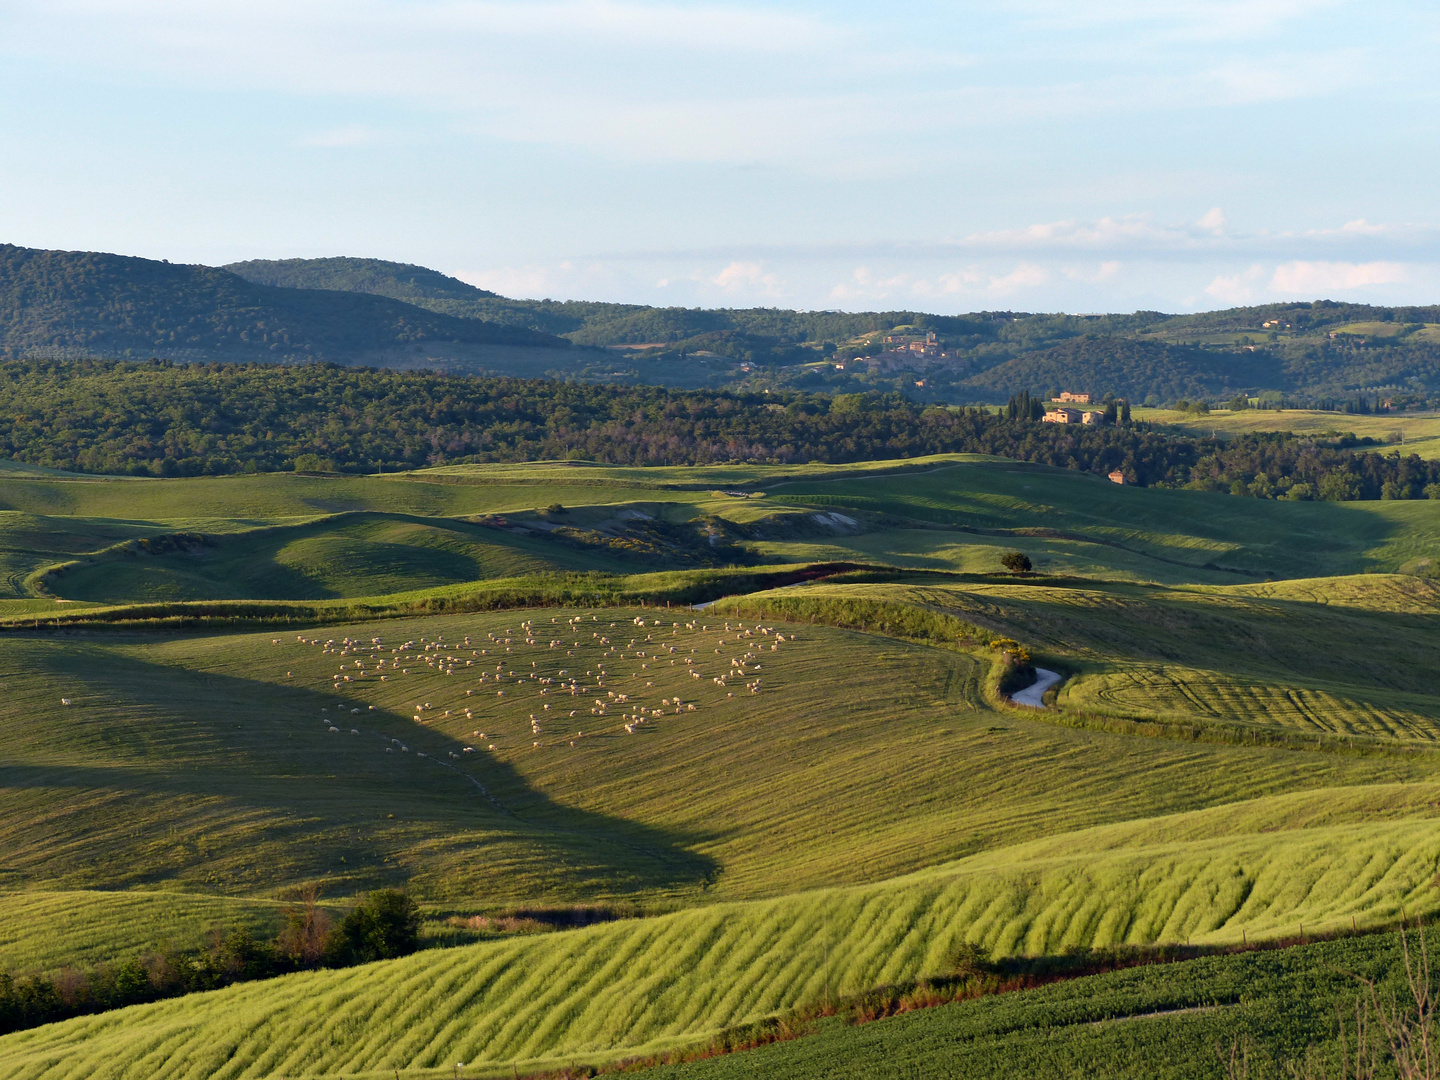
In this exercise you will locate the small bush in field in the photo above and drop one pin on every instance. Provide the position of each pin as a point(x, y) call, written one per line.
point(1017, 562)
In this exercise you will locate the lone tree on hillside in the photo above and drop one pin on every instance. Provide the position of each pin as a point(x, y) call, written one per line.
point(1017, 562)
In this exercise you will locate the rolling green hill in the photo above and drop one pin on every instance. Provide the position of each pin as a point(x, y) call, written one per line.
point(278, 537)
point(358, 554)
point(1274, 1010)
point(400, 281)
point(645, 986)
point(800, 792)
point(369, 311)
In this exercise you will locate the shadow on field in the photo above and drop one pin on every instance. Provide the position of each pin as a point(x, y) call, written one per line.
point(160, 772)
point(352, 553)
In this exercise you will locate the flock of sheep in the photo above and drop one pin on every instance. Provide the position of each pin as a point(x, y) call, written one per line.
point(615, 699)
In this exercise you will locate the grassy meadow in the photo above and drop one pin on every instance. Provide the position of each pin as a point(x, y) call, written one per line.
point(313, 537)
point(1408, 432)
point(1339, 658)
point(795, 797)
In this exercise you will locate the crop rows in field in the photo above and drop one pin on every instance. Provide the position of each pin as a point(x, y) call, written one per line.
point(641, 985)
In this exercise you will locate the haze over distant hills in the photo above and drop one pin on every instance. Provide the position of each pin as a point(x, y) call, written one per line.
point(379, 313)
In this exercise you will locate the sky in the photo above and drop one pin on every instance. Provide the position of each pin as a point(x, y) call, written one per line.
point(1022, 155)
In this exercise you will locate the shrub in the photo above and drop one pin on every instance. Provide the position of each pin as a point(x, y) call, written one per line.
point(384, 925)
point(1017, 562)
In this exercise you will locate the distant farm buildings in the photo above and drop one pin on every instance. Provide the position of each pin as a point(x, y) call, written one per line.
point(1073, 416)
point(1077, 399)
point(1117, 477)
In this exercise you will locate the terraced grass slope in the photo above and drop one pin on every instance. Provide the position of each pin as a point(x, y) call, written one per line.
point(1349, 657)
point(642, 986)
point(807, 809)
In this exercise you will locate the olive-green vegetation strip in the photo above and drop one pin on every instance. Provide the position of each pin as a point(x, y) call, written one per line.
point(1160, 1022)
point(640, 986)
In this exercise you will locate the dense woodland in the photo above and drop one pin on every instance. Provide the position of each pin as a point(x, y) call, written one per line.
point(163, 419)
point(111, 304)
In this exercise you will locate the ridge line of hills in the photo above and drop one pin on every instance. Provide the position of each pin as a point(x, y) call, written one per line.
point(372, 312)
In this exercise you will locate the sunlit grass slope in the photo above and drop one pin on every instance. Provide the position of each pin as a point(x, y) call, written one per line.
point(198, 763)
point(1350, 656)
point(1262, 867)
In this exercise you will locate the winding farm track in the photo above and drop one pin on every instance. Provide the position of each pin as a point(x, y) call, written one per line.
point(1033, 694)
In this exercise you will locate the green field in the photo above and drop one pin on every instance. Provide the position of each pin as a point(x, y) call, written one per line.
point(803, 791)
point(1348, 657)
point(1408, 432)
point(301, 537)
point(1172, 1022)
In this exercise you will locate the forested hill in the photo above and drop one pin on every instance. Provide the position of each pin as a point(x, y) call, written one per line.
point(400, 281)
point(1305, 351)
point(373, 312)
point(113, 305)
point(1133, 369)
point(158, 419)
point(585, 322)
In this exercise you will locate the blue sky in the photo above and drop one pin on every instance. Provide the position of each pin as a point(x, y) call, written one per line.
point(1035, 155)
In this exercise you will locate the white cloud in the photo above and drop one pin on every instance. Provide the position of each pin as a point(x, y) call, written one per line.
point(1177, 20)
point(1213, 219)
point(748, 277)
point(706, 82)
point(1025, 276)
point(1315, 278)
point(1241, 288)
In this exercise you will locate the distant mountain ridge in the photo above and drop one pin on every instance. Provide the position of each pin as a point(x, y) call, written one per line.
point(377, 277)
point(376, 312)
point(116, 305)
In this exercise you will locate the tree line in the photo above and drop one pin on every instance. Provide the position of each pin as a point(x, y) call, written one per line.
point(157, 418)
